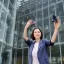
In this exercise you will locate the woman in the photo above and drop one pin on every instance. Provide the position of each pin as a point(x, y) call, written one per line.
point(38, 46)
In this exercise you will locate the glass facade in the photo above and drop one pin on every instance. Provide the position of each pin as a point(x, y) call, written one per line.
point(7, 24)
point(14, 15)
point(40, 11)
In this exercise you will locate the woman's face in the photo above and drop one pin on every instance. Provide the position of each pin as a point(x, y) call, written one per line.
point(37, 34)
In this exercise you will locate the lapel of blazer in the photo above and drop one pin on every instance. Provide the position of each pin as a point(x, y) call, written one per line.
point(40, 44)
point(32, 46)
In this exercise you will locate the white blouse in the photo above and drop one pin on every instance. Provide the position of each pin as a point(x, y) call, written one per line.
point(34, 53)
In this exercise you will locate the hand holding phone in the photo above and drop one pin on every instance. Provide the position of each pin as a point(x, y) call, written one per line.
point(33, 22)
point(54, 18)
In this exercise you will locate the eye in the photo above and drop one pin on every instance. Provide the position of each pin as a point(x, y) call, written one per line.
point(39, 32)
point(35, 32)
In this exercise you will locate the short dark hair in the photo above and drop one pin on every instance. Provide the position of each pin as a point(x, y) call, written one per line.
point(32, 35)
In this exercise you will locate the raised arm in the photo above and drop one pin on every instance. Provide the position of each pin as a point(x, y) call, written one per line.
point(56, 28)
point(25, 29)
point(27, 40)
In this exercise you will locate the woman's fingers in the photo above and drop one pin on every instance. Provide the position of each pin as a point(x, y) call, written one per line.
point(57, 24)
point(33, 22)
point(30, 21)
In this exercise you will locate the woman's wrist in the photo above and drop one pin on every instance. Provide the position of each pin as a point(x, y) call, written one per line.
point(56, 29)
point(26, 27)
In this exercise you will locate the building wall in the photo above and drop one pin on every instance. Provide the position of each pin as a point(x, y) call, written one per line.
point(7, 23)
point(13, 50)
point(41, 12)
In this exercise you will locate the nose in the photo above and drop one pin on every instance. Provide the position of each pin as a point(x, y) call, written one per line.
point(37, 33)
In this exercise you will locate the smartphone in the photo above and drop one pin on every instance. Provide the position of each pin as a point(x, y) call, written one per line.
point(33, 21)
point(54, 18)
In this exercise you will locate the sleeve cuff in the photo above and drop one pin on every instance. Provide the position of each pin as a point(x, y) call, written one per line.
point(51, 43)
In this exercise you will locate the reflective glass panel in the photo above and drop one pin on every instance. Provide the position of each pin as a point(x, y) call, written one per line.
point(55, 54)
point(45, 12)
point(6, 54)
point(45, 3)
point(59, 9)
point(25, 56)
point(39, 4)
point(46, 29)
point(51, 10)
point(52, 1)
point(39, 14)
point(62, 49)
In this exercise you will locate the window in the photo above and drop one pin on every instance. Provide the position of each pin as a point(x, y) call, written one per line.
point(12, 1)
point(40, 24)
point(15, 56)
point(52, 1)
point(62, 51)
point(11, 10)
point(20, 11)
point(19, 56)
point(8, 31)
point(3, 15)
point(59, 9)
point(6, 57)
point(61, 36)
point(25, 56)
point(33, 16)
point(33, 6)
point(45, 12)
point(39, 4)
point(55, 54)
point(45, 3)
point(51, 10)
point(46, 29)
point(6, 3)
point(27, 8)
point(51, 24)
point(26, 17)
point(15, 39)
point(2, 24)
point(39, 14)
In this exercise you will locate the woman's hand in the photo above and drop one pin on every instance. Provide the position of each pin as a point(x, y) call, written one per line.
point(25, 29)
point(29, 23)
point(57, 24)
point(56, 27)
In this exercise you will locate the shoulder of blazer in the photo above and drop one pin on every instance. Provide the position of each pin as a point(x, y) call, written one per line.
point(43, 40)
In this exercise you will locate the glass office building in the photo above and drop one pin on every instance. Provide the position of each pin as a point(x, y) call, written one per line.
point(41, 12)
point(7, 24)
point(13, 17)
